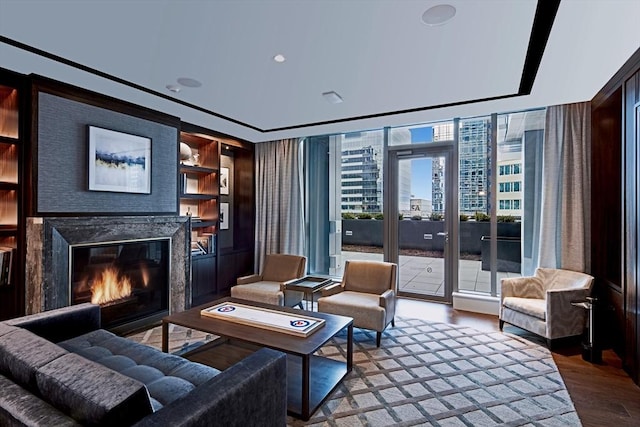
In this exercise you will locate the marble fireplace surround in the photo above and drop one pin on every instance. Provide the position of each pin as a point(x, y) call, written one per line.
point(47, 261)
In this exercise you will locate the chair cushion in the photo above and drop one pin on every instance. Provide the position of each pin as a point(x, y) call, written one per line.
point(267, 292)
point(281, 267)
point(564, 279)
point(91, 393)
point(369, 276)
point(530, 306)
point(363, 307)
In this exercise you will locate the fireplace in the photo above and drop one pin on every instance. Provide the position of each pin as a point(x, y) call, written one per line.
point(67, 256)
point(130, 280)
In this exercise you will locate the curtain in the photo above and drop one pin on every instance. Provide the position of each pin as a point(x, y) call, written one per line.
point(565, 226)
point(279, 200)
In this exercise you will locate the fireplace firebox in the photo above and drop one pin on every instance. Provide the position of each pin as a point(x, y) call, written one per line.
point(128, 279)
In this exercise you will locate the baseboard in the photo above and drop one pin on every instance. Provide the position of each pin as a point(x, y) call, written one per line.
point(476, 303)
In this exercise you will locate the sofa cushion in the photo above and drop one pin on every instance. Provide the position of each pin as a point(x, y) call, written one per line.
point(91, 393)
point(6, 328)
point(167, 377)
point(530, 306)
point(22, 353)
point(20, 407)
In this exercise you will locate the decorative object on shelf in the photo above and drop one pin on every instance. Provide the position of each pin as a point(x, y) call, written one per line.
point(119, 162)
point(224, 214)
point(196, 159)
point(185, 152)
point(224, 180)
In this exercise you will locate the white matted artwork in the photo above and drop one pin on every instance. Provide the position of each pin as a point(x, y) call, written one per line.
point(119, 162)
point(224, 180)
point(224, 216)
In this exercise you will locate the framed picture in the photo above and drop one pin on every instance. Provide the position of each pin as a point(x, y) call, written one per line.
point(224, 180)
point(224, 216)
point(119, 162)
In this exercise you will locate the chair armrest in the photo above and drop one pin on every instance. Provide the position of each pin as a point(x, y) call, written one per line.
point(62, 323)
point(332, 289)
point(388, 301)
point(252, 392)
point(523, 287)
point(387, 298)
point(564, 319)
point(248, 279)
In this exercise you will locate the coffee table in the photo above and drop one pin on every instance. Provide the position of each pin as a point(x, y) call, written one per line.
point(310, 378)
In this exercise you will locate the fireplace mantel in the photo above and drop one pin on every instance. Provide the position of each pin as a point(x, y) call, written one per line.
point(49, 240)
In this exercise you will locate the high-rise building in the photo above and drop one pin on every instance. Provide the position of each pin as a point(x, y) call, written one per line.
point(362, 155)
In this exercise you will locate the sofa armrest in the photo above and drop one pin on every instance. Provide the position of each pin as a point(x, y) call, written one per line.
point(249, 279)
point(253, 392)
point(62, 323)
point(332, 289)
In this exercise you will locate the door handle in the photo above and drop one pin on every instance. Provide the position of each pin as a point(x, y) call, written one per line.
point(445, 235)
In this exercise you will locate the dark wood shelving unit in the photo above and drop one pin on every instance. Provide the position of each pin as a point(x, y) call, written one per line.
point(13, 137)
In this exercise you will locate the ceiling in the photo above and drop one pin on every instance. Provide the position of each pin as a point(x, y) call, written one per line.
point(389, 67)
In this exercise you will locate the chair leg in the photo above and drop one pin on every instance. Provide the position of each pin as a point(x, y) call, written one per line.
point(300, 305)
point(378, 336)
point(393, 322)
point(501, 324)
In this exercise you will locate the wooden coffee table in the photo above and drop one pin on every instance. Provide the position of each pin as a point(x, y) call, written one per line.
point(310, 378)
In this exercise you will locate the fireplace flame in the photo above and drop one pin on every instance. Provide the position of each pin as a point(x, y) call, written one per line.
point(110, 287)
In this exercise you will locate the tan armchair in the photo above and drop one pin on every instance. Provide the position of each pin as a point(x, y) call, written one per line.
point(367, 293)
point(269, 286)
point(542, 303)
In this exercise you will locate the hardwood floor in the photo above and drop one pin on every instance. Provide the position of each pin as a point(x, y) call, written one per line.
point(602, 394)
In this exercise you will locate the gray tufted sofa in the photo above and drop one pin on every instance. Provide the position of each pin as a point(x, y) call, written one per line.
point(59, 368)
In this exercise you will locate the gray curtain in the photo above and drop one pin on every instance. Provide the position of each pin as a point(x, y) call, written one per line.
point(565, 226)
point(279, 201)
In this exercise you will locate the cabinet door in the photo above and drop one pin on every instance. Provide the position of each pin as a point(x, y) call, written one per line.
point(203, 279)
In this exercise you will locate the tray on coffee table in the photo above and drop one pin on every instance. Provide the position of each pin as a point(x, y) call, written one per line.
point(288, 323)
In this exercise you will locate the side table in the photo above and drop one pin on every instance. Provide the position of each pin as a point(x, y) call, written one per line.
point(591, 351)
point(309, 285)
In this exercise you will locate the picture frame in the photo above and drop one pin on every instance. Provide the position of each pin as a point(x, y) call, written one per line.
point(119, 162)
point(224, 216)
point(224, 181)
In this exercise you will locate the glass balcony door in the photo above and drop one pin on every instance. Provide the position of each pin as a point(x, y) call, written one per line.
point(420, 221)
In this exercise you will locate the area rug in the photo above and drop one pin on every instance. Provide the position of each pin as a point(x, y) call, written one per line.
point(433, 374)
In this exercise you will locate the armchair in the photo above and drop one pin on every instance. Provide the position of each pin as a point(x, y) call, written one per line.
point(542, 303)
point(366, 293)
point(269, 286)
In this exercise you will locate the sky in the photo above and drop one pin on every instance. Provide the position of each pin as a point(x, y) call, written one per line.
point(421, 168)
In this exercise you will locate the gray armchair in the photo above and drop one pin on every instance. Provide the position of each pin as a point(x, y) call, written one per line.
point(367, 293)
point(269, 286)
point(542, 303)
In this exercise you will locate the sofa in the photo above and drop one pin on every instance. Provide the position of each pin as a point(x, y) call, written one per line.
point(60, 368)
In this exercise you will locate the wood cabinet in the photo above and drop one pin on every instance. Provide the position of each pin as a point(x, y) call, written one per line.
point(12, 141)
point(217, 191)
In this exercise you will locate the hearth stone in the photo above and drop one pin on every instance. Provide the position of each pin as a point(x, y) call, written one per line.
point(49, 239)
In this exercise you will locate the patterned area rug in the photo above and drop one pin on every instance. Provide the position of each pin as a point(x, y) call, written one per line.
point(433, 374)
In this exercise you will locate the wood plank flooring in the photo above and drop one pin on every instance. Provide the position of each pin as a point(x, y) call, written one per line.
point(603, 394)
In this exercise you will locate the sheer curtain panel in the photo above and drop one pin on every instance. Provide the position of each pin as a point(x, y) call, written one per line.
point(565, 226)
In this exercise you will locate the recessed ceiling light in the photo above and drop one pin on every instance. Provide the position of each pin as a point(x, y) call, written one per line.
point(173, 88)
point(189, 82)
point(438, 15)
point(332, 97)
point(279, 58)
